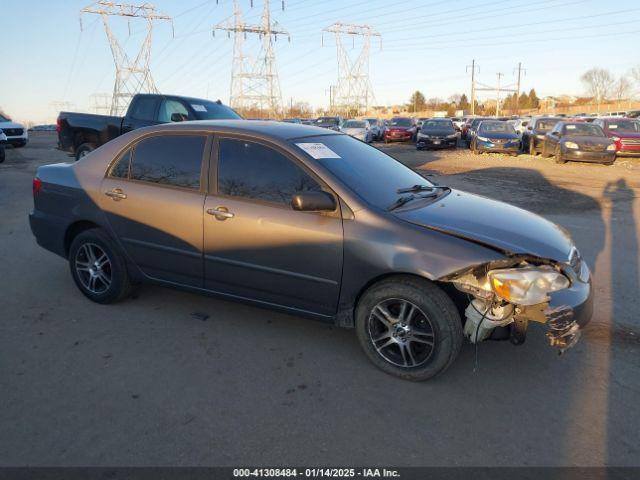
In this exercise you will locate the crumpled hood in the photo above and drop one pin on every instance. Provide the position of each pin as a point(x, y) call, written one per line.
point(492, 223)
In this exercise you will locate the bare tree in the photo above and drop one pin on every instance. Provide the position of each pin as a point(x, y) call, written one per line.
point(622, 89)
point(598, 82)
point(635, 76)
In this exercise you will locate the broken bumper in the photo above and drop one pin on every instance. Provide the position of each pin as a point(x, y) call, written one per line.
point(569, 310)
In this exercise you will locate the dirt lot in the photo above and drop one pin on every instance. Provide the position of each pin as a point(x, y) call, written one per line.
point(146, 382)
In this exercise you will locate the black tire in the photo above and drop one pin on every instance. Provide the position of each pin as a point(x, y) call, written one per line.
point(558, 156)
point(119, 285)
point(20, 145)
point(437, 314)
point(83, 150)
point(2, 154)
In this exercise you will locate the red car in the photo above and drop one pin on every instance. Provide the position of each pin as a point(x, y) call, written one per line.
point(625, 133)
point(401, 129)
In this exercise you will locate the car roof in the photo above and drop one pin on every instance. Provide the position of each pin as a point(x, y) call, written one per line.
point(278, 130)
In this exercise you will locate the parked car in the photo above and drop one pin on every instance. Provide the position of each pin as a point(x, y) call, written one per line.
point(533, 136)
point(3, 142)
point(624, 132)
point(280, 215)
point(359, 129)
point(81, 133)
point(17, 135)
point(519, 124)
point(332, 123)
point(581, 142)
point(400, 129)
point(377, 128)
point(495, 136)
point(420, 121)
point(471, 129)
point(633, 114)
point(437, 133)
point(292, 120)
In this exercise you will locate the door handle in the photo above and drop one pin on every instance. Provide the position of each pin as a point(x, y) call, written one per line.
point(221, 213)
point(116, 194)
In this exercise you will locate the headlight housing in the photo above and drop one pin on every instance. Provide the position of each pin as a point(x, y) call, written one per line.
point(483, 139)
point(527, 285)
point(573, 145)
point(611, 147)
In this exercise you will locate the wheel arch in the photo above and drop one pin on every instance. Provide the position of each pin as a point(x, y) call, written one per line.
point(74, 230)
point(346, 316)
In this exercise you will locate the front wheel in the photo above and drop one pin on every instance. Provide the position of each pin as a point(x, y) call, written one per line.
point(409, 327)
point(98, 268)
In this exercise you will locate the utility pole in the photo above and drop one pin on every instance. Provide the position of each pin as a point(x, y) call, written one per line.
point(254, 85)
point(132, 75)
point(499, 75)
point(520, 70)
point(353, 93)
point(473, 85)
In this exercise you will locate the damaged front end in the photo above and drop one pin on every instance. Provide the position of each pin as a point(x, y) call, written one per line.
point(506, 295)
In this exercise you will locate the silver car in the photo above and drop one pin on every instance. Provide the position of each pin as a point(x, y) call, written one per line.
point(360, 129)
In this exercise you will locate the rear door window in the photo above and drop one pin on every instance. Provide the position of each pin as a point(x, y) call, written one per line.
point(120, 169)
point(174, 160)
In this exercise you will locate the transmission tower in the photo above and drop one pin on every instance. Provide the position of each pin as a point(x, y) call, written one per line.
point(353, 93)
point(254, 84)
point(132, 74)
point(100, 103)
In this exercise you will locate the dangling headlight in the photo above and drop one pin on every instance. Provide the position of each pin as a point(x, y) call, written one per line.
point(526, 286)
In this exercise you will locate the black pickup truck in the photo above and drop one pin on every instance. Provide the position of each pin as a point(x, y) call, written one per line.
point(80, 133)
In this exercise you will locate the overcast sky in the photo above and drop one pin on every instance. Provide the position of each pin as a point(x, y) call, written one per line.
point(426, 45)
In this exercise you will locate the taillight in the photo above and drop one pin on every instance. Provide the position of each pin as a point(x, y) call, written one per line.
point(37, 186)
point(58, 125)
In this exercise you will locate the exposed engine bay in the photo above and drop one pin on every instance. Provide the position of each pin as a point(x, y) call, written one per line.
point(505, 296)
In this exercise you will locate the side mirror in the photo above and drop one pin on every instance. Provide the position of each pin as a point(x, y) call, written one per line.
point(178, 117)
point(555, 134)
point(313, 202)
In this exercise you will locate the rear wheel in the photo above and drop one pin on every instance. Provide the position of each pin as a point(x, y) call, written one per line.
point(83, 150)
point(558, 156)
point(98, 268)
point(408, 327)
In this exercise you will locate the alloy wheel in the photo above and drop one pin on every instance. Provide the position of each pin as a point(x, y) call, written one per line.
point(93, 268)
point(401, 333)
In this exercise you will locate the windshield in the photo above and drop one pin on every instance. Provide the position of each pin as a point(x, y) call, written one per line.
point(439, 125)
point(496, 127)
point(327, 120)
point(400, 122)
point(372, 121)
point(624, 126)
point(353, 124)
point(582, 129)
point(206, 110)
point(385, 175)
point(546, 124)
point(475, 122)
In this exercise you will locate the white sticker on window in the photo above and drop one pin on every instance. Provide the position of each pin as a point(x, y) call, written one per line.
point(199, 108)
point(613, 127)
point(571, 127)
point(318, 150)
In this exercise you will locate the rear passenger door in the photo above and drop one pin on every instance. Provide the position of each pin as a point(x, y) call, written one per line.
point(256, 246)
point(153, 196)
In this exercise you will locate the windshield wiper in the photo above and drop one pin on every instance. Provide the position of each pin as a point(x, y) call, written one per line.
point(422, 188)
point(407, 198)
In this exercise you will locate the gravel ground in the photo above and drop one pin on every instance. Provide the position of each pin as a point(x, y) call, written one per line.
point(146, 382)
